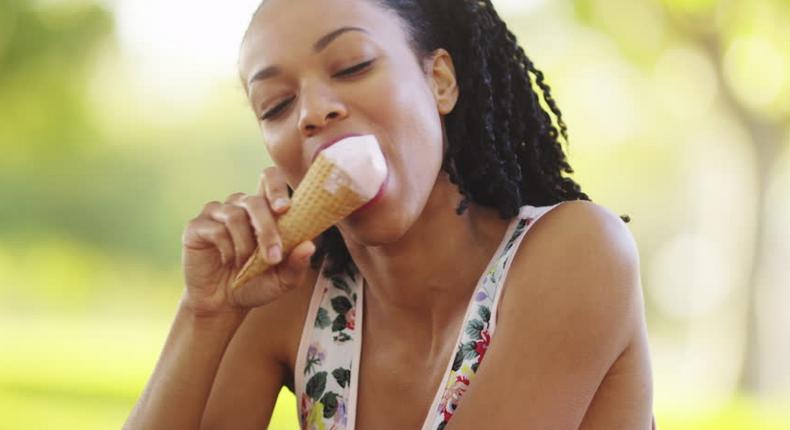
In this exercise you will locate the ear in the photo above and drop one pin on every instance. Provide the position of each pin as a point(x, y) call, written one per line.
point(442, 80)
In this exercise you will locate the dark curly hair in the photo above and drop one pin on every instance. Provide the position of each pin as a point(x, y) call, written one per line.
point(503, 149)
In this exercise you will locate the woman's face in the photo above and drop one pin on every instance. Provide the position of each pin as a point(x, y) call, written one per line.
point(317, 70)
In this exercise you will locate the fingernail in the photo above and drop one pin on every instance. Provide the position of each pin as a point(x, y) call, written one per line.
point(274, 254)
point(280, 204)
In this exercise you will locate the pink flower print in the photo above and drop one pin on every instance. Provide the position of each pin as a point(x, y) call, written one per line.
point(351, 318)
point(305, 406)
point(452, 396)
point(481, 345)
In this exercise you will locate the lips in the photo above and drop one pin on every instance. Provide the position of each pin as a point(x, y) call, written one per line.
point(329, 143)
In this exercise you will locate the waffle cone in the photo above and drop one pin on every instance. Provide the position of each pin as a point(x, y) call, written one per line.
point(324, 197)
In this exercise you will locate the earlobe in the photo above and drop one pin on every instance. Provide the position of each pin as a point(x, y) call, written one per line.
point(444, 83)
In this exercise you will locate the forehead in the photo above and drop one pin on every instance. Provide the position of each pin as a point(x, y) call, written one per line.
point(288, 28)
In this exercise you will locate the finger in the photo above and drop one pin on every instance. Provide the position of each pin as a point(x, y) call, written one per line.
point(203, 233)
point(274, 187)
point(267, 235)
point(291, 273)
point(272, 284)
point(208, 208)
point(235, 198)
point(241, 232)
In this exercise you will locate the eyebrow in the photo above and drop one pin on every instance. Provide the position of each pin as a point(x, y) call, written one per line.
point(318, 46)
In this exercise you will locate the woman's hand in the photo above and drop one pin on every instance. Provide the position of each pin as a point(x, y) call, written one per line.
point(218, 242)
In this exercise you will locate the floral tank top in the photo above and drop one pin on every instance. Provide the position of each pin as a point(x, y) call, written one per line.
point(328, 358)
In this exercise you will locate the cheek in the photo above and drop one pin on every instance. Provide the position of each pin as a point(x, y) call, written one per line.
point(411, 121)
point(287, 157)
point(405, 108)
point(410, 99)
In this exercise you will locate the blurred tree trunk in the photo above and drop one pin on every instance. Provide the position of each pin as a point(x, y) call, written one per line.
point(765, 135)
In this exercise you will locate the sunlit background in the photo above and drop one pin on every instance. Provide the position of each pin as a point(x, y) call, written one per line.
point(119, 120)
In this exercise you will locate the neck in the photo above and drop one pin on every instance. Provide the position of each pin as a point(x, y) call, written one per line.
point(426, 278)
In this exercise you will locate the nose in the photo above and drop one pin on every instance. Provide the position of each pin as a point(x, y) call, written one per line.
point(319, 107)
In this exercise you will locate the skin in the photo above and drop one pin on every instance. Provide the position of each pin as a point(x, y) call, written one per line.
point(415, 279)
point(571, 311)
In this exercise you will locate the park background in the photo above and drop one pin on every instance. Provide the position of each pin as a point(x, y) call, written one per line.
point(120, 119)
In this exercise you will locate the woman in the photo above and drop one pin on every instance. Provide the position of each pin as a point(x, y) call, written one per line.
point(495, 294)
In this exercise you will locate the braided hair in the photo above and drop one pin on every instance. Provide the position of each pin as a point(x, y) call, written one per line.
point(503, 150)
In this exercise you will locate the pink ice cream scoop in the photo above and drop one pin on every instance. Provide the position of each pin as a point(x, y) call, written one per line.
point(343, 177)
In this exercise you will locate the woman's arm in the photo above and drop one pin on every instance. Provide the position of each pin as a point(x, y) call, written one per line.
point(257, 362)
point(176, 394)
point(216, 244)
point(243, 386)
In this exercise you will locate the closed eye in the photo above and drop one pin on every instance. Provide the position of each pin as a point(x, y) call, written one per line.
point(354, 69)
point(351, 71)
point(276, 110)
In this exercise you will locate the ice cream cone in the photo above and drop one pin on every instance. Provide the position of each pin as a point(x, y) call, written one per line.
point(326, 195)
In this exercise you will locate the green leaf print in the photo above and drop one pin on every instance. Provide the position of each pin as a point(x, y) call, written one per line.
point(492, 276)
point(330, 404)
point(316, 385)
point(341, 337)
point(342, 376)
point(473, 328)
point(341, 305)
point(459, 359)
point(484, 313)
point(322, 319)
point(311, 362)
point(341, 284)
point(469, 349)
point(339, 323)
point(522, 224)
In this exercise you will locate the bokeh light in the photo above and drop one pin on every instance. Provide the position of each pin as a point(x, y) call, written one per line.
point(756, 71)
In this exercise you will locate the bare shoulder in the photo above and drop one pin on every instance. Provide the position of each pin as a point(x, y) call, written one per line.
point(258, 362)
point(585, 226)
point(571, 307)
point(579, 254)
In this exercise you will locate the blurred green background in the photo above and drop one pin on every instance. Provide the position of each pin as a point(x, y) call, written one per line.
point(120, 119)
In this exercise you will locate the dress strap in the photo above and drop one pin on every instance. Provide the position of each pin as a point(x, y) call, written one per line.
point(479, 323)
point(328, 353)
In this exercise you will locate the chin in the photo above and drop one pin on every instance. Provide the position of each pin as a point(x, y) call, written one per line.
point(374, 227)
